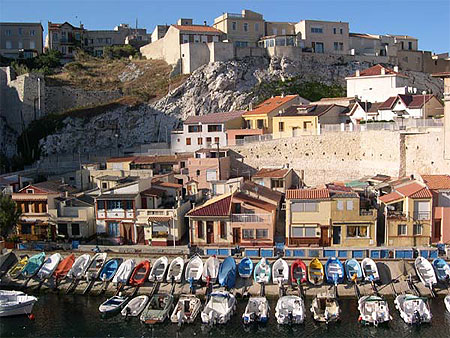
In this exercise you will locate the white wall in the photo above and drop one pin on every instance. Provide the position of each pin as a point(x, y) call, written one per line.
point(178, 141)
point(376, 88)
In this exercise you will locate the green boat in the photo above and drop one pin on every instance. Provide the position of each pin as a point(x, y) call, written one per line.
point(33, 265)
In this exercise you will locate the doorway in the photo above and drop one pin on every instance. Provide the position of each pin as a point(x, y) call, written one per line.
point(209, 232)
point(336, 235)
point(324, 236)
point(236, 235)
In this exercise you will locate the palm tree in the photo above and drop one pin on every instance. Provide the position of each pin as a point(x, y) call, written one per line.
point(9, 215)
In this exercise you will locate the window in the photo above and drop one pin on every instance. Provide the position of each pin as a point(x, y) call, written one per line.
point(340, 205)
point(198, 172)
point(62, 229)
point(204, 38)
point(20, 31)
point(245, 27)
point(129, 205)
point(338, 46)
point(215, 38)
point(214, 127)
point(303, 232)
point(262, 233)
point(111, 205)
point(194, 129)
point(211, 175)
point(409, 45)
point(99, 40)
point(248, 233)
point(216, 140)
point(334, 30)
point(403, 45)
point(277, 183)
point(200, 140)
point(305, 207)
point(256, 27)
point(30, 191)
point(281, 126)
point(26, 229)
point(341, 31)
point(188, 141)
point(104, 185)
point(32, 32)
point(401, 230)
point(318, 30)
point(349, 205)
point(196, 38)
point(208, 140)
point(223, 229)
point(275, 31)
point(101, 205)
point(75, 229)
point(233, 25)
point(283, 31)
point(357, 231)
point(200, 229)
point(260, 124)
point(63, 49)
point(421, 210)
point(318, 47)
point(417, 229)
point(8, 44)
point(113, 229)
point(185, 38)
point(108, 40)
point(8, 32)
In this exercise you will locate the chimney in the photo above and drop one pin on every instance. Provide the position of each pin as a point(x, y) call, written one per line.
point(357, 73)
point(81, 26)
point(204, 23)
point(250, 106)
point(411, 177)
point(282, 94)
point(396, 69)
point(383, 71)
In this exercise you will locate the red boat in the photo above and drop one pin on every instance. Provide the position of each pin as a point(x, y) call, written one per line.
point(140, 273)
point(298, 271)
point(63, 267)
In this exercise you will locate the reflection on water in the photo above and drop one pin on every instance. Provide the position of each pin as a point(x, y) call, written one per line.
point(75, 315)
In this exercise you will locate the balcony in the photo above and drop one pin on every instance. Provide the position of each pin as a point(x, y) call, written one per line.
point(364, 212)
point(251, 218)
point(396, 214)
point(421, 215)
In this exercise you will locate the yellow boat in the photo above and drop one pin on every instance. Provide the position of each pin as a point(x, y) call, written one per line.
point(315, 272)
point(15, 271)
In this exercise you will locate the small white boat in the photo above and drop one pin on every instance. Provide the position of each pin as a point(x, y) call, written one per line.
point(425, 271)
point(113, 304)
point(211, 269)
point(186, 310)
point(95, 266)
point(79, 267)
point(13, 303)
point(413, 309)
point(280, 271)
point(124, 272)
point(262, 272)
point(159, 269)
point(325, 308)
point(373, 310)
point(257, 310)
point(219, 309)
point(290, 310)
point(447, 302)
point(49, 266)
point(194, 269)
point(370, 270)
point(176, 268)
point(135, 306)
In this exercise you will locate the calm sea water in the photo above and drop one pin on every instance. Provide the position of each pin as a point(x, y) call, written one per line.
point(76, 315)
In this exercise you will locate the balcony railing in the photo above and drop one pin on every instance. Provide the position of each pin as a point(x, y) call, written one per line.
point(251, 218)
point(366, 212)
point(421, 215)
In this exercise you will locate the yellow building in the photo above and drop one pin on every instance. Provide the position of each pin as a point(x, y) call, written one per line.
point(330, 216)
point(407, 211)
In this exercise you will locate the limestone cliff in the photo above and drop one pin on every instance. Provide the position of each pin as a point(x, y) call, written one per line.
point(216, 87)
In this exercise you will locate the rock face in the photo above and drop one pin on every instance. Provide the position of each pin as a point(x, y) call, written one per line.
point(216, 87)
point(8, 137)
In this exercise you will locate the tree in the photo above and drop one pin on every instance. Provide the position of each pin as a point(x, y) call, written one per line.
point(9, 215)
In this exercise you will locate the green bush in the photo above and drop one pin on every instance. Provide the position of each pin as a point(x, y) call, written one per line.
point(44, 63)
point(118, 52)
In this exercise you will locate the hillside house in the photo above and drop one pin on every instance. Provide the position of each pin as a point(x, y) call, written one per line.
point(278, 179)
point(410, 106)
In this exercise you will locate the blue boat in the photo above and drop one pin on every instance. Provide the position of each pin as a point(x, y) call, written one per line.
point(227, 273)
point(245, 268)
point(334, 271)
point(33, 265)
point(109, 269)
point(353, 270)
point(442, 270)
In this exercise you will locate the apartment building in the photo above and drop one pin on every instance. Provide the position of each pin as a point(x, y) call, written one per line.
point(205, 131)
point(65, 38)
point(372, 44)
point(324, 36)
point(244, 29)
point(21, 40)
point(408, 214)
point(329, 216)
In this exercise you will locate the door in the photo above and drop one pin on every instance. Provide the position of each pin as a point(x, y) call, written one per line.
point(324, 236)
point(336, 235)
point(236, 235)
point(209, 232)
point(140, 235)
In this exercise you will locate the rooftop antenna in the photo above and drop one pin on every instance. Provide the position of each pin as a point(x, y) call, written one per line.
point(136, 23)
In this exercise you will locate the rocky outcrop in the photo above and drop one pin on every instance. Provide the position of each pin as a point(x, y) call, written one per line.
point(216, 87)
point(8, 139)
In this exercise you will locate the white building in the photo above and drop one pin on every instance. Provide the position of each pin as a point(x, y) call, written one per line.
point(205, 131)
point(410, 106)
point(377, 84)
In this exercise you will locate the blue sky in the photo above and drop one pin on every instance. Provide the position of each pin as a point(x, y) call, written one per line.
point(427, 20)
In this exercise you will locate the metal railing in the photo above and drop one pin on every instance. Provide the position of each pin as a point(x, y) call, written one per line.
point(251, 218)
point(421, 215)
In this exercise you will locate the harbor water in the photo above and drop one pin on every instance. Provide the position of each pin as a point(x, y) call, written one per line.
point(78, 316)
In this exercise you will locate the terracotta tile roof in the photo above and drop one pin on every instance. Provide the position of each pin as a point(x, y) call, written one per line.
point(422, 193)
point(376, 70)
point(388, 103)
point(197, 28)
point(254, 202)
point(410, 188)
point(410, 101)
point(157, 218)
point(262, 191)
point(272, 173)
point(271, 104)
point(168, 185)
point(307, 194)
point(388, 198)
point(437, 182)
point(153, 192)
point(121, 159)
point(218, 206)
point(214, 118)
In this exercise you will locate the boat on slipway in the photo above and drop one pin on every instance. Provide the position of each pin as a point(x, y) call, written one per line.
point(16, 270)
point(442, 270)
point(280, 271)
point(256, 311)
point(13, 303)
point(425, 272)
point(186, 310)
point(298, 272)
point(7, 261)
point(334, 271)
point(219, 308)
point(262, 271)
point(175, 270)
point(211, 269)
point(49, 266)
point(159, 269)
point(315, 272)
point(245, 267)
point(34, 264)
point(227, 273)
point(63, 268)
point(124, 272)
point(110, 269)
point(353, 270)
point(370, 270)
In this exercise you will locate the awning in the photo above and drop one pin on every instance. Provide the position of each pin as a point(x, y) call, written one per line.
point(158, 218)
